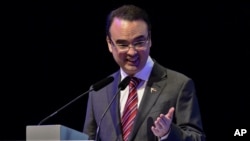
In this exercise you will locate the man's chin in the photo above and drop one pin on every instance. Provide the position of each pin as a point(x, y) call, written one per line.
point(131, 69)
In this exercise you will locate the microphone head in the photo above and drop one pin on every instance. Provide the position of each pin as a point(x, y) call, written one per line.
point(124, 83)
point(99, 85)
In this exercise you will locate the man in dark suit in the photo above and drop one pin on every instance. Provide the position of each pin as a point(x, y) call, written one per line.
point(166, 103)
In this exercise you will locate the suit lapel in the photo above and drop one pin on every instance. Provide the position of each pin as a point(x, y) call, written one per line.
point(150, 96)
point(114, 108)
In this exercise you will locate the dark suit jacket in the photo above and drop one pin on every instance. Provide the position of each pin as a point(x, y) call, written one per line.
point(170, 89)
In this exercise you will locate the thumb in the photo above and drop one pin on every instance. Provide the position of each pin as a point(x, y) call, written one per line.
point(170, 113)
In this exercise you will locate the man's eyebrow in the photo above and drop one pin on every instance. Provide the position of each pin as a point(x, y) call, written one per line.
point(140, 37)
point(125, 41)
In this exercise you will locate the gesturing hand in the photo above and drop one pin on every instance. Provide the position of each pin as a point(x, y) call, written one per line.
point(162, 123)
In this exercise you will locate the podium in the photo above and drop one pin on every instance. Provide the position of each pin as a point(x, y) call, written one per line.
point(53, 132)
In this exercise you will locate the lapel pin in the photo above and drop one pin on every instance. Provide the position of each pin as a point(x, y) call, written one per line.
point(153, 90)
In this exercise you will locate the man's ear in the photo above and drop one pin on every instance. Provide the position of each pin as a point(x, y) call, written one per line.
point(109, 44)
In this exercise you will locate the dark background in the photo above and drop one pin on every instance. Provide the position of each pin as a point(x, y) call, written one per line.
point(52, 53)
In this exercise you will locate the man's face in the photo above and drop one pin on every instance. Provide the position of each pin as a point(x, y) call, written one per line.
point(129, 42)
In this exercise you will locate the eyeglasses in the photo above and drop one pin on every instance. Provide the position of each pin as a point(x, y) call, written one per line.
point(140, 44)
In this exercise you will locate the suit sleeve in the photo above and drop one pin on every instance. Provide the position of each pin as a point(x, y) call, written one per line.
point(187, 123)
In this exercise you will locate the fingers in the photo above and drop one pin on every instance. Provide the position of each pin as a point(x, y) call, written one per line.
point(155, 130)
point(162, 123)
point(159, 126)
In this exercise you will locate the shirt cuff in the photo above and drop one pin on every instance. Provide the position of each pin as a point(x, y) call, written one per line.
point(164, 137)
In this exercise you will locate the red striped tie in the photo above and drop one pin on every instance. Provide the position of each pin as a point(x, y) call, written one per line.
point(130, 109)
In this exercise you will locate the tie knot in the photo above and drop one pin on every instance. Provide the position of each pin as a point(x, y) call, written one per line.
point(134, 81)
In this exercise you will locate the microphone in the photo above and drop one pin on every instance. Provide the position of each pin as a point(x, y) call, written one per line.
point(95, 87)
point(121, 87)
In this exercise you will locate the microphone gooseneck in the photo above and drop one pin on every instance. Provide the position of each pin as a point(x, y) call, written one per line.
point(121, 87)
point(95, 87)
